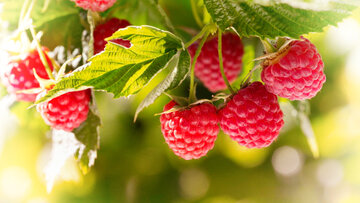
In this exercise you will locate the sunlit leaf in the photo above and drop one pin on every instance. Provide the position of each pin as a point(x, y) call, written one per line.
point(179, 67)
point(120, 70)
point(273, 19)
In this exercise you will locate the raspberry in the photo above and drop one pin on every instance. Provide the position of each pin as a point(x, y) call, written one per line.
point(207, 65)
point(252, 117)
point(19, 75)
point(95, 5)
point(190, 133)
point(298, 75)
point(105, 30)
point(66, 111)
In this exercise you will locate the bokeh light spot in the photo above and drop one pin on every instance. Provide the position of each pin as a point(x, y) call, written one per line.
point(15, 182)
point(330, 173)
point(194, 183)
point(287, 161)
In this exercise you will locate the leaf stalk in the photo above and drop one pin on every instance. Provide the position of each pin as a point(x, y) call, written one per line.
point(192, 96)
point(221, 62)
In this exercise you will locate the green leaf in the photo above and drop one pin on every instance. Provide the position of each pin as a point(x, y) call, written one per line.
point(59, 21)
point(82, 143)
point(270, 20)
point(40, 16)
point(88, 134)
point(142, 12)
point(120, 70)
point(179, 66)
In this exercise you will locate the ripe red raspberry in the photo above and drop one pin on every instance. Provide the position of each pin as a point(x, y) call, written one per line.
point(207, 65)
point(252, 117)
point(95, 5)
point(19, 75)
point(298, 75)
point(105, 30)
point(67, 111)
point(190, 133)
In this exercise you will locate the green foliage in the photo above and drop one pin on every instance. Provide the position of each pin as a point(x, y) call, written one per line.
point(120, 70)
point(179, 66)
point(141, 12)
point(47, 18)
point(88, 134)
point(274, 19)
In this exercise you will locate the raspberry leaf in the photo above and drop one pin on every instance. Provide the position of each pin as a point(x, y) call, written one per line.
point(120, 70)
point(267, 19)
point(179, 67)
point(88, 134)
point(47, 19)
point(82, 143)
point(142, 12)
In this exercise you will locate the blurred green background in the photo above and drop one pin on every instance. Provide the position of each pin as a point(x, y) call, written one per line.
point(134, 163)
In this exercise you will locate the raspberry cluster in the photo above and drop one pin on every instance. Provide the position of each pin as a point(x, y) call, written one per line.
point(19, 74)
point(207, 65)
point(252, 117)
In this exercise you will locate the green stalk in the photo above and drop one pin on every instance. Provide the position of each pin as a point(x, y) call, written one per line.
point(196, 14)
point(198, 36)
point(192, 96)
point(91, 20)
point(41, 54)
point(23, 12)
point(269, 48)
point(221, 62)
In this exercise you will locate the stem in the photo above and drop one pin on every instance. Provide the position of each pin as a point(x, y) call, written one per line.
point(196, 14)
point(166, 18)
point(46, 5)
point(221, 62)
point(192, 70)
point(248, 76)
point(23, 11)
point(198, 36)
point(269, 48)
point(41, 53)
point(91, 21)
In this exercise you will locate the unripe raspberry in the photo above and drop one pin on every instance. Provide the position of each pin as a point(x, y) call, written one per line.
point(207, 67)
point(252, 117)
point(66, 112)
point(298, 75)
point(102, 31)
point(95, 5)
point(190, 133)
point(19, 74)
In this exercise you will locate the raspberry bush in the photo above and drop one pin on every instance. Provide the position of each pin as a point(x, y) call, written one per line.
point(156, 55)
